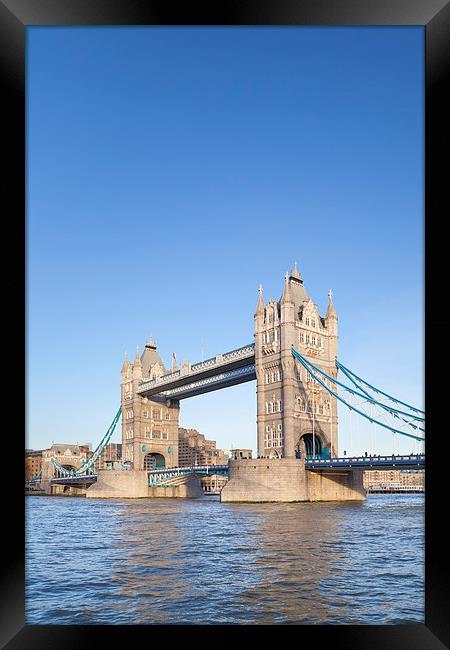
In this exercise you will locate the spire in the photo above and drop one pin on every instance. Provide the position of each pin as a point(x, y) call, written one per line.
point(330, 309)
point(260, 305)
point(137, 358)
point(295, 274)
point(287, 296)
point(150, 344)
point(125, 361)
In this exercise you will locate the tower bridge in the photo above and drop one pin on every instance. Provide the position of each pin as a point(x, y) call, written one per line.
point(294, 361)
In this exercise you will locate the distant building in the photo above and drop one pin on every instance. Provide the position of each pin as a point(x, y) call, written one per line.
point(194, 449)
point(33, 463)
point(237, 454)
point(69, 456)
point(213, 483)
point(394, 477)
point(111, 454)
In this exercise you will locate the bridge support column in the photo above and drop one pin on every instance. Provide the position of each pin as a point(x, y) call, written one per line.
point(336, 486)
point(133, 484)
point(287, 480)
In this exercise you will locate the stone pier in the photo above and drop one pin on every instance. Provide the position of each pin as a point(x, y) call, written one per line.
point(287, 480)
point(133, 484)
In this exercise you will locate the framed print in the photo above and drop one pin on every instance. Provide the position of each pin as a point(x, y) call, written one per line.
point(247, 200)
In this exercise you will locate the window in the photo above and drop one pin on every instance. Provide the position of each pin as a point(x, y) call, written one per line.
point(147, 434)
point(167, 416)
point(164, 435)
point(301, 337)
point(267, 429)
point(145, 414)
point(129, 433)
point(307, 320)
point(156, 434)
point(129, 414)
point(307, 338)
point(313, 323)
point(156, 414)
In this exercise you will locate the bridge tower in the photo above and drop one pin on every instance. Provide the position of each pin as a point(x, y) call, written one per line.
point(149, 426)
point(294, 414)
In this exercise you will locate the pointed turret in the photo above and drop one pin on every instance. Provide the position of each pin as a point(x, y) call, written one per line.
point(260, 305)
point(137, 358)
point(125, 361)
point(331, 312)
point(298, 291)
point(151, 360)
point(150, 345)
point(287, 296)
point(295, 274)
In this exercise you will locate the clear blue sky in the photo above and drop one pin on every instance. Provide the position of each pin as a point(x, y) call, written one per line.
point(173, 170)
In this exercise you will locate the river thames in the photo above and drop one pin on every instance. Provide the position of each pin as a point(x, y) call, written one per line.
point(199, 561)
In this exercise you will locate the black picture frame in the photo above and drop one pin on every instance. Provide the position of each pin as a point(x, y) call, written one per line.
point(434, 16)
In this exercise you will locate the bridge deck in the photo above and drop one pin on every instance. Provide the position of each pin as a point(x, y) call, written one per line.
point(224, 370)
point(316, 464)
point(367, 462)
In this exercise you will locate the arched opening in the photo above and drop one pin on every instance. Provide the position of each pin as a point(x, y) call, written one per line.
point(154, 461)
point(274, 454)
point(310, 445)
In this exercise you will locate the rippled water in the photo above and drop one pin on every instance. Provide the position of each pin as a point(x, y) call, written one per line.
point(200, 561)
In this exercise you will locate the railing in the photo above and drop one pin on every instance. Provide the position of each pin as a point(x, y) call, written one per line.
point(196, 368)
point(367, 461)
point(396, 488)
point(159, 476)
point(215, 379)
point(75, 479)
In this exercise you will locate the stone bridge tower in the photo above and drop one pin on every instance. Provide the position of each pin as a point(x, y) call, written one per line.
point(149, 426)
point(295, 414)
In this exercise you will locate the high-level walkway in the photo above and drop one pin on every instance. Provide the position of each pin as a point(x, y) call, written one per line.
point(221, 371)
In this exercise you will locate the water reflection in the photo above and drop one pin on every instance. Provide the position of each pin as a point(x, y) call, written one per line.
point(182, 561)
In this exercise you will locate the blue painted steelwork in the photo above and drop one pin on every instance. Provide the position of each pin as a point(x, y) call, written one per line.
point(215, 366)
point(93, 458)
point(306, 365)
point(160, 476)
point(348, 372)
point(221, 380)
point(71, 480)
point(364, 396)
point(367, 462)
point(36, 477)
